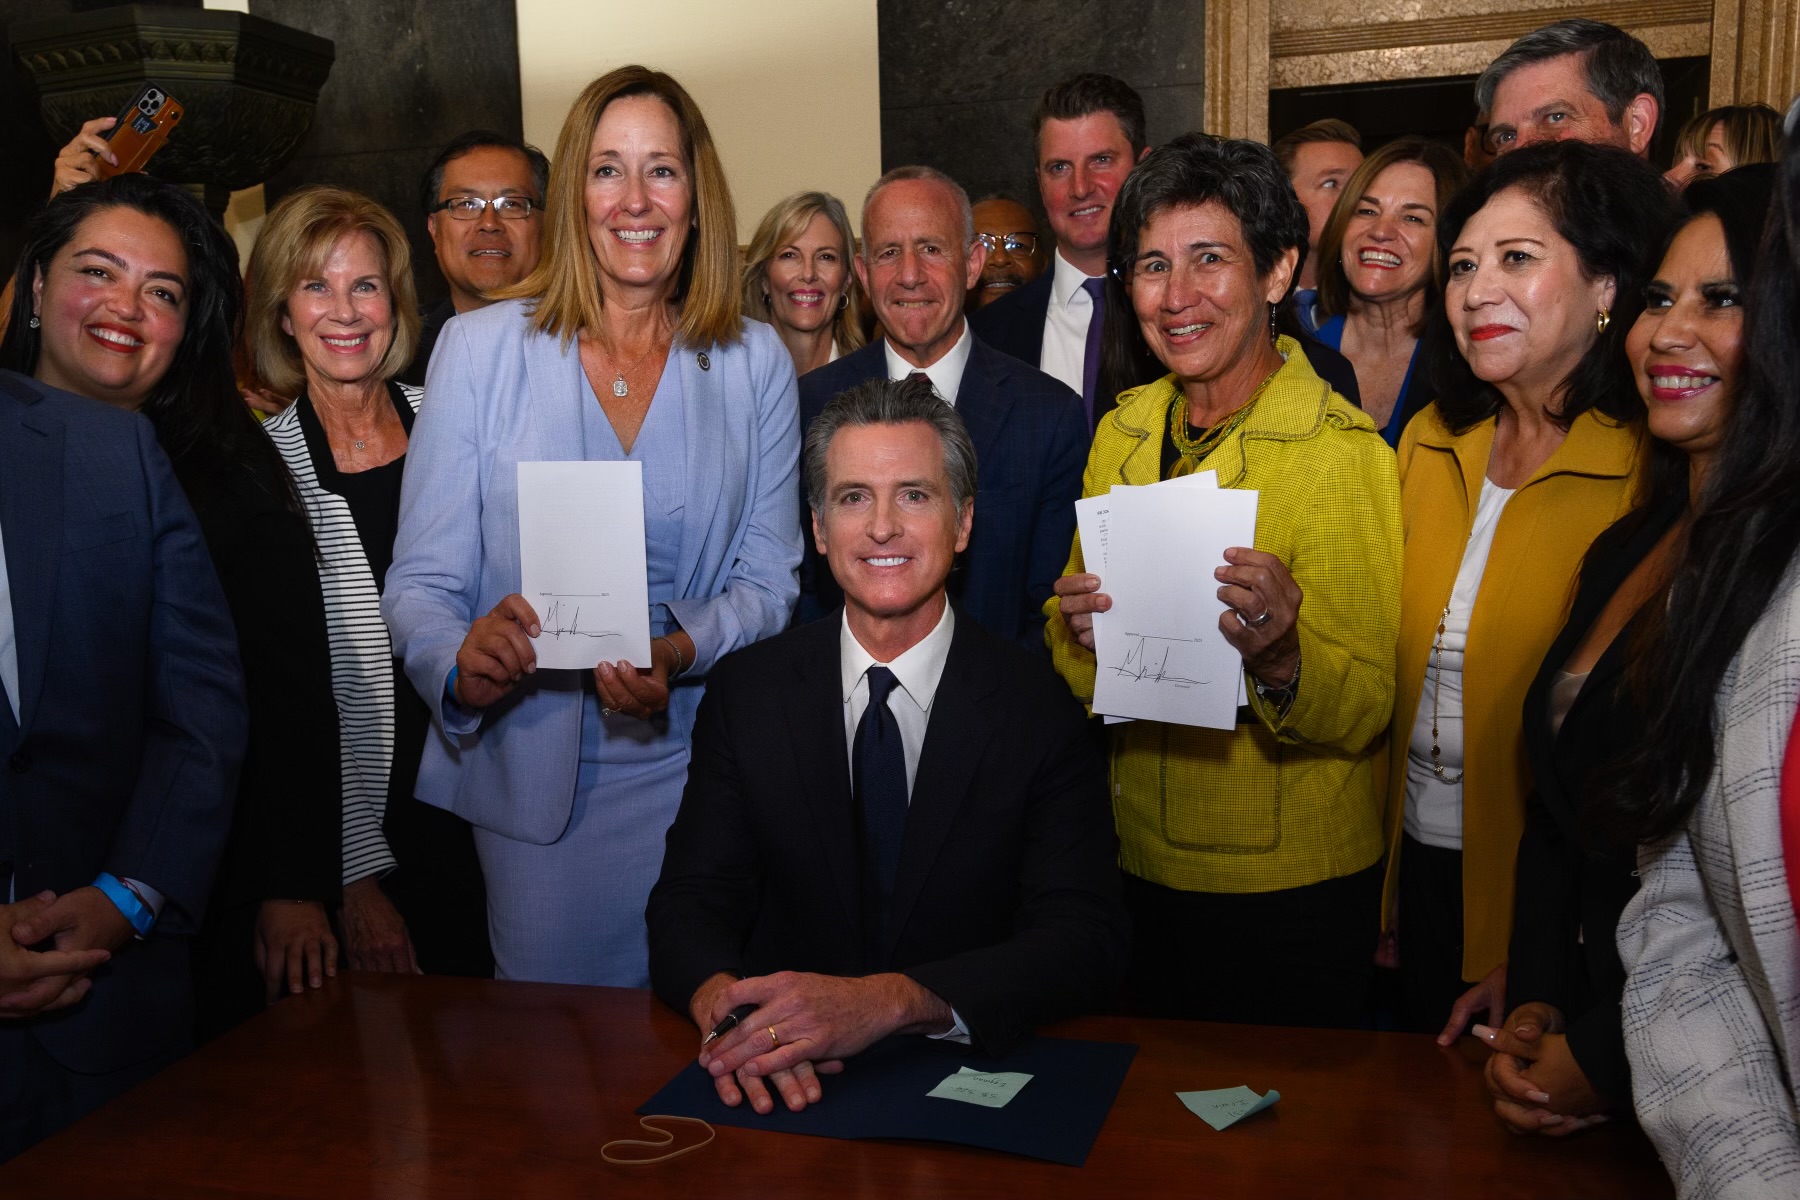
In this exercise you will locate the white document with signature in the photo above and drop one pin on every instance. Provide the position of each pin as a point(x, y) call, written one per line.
point(581, 562)
point(1159, 653)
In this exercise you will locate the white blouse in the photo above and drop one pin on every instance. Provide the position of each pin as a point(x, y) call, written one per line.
point(1434, 805)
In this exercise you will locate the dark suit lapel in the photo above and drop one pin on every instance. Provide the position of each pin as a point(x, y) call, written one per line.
point(960, 727)
point(816, 734)
point(983, 400)
point(31, 522)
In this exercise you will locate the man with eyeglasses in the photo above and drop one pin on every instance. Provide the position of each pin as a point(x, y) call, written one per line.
point(483, 198)
point(1015, 252)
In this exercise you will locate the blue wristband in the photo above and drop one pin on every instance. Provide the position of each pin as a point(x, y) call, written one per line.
point(450, 685)
point(127, 902)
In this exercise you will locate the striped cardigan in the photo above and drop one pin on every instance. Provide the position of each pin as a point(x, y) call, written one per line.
point(362, 659)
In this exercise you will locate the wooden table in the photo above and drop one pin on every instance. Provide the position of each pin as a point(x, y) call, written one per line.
point(413, 1087)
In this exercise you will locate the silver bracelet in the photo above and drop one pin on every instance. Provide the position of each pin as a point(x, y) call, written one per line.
point(680, 662)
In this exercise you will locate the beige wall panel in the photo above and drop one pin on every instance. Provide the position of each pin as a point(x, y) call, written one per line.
point(789, 87)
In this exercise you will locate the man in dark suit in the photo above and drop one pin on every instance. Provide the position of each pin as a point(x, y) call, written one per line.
point(894, 821)
point(1089, 133)
point(122, 726)
point(919, 260)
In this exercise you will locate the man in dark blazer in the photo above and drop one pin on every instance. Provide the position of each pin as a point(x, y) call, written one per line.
point(919, 259)
point(122, 727)
point(894, 821)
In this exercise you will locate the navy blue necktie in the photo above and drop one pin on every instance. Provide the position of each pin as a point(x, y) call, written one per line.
point(1090, 359)
point(881, 796)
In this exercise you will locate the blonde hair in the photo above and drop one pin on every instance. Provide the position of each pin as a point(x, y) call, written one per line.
point(566, 284)
point(1751, 133)
point(1448, 174)
point(780, 226)
point(295, 240)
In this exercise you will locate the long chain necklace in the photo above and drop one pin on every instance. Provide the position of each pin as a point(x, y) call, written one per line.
point(1194, 449)
point(620, 388)
point(1448, 775)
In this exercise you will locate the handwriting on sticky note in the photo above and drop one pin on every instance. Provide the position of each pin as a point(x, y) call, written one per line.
point(990, 1089)
point(1226, 1106)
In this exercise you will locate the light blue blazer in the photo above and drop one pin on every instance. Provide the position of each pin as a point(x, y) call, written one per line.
point(499, 393)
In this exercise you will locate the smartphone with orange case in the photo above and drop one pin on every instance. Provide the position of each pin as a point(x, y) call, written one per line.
point(140, 131)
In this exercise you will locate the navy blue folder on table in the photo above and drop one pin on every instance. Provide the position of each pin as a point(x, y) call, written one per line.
point(881, 1094)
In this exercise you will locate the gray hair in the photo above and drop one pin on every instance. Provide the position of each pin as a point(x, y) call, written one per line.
point(1619, 67)
point(931, 175)
point(890, 402)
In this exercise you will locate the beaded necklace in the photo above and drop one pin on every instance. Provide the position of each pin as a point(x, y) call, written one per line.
point(1195, 450)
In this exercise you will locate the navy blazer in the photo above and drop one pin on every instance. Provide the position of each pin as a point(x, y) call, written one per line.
point(1031, 442)
point(131, 703)
point(1014, 324)
point(1006, 900)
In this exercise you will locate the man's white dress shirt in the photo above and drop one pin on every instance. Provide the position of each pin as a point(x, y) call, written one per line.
point(945, 374)
point(1064, 355)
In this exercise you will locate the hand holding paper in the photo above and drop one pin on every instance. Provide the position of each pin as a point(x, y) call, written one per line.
point(581, 562)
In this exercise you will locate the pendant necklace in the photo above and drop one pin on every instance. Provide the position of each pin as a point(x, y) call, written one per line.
point(619, 387)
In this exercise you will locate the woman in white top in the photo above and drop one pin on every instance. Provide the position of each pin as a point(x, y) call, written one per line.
point(797, 278)
point(1530, 449)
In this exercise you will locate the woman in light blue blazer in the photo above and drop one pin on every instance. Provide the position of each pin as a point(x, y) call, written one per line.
point(626, 343)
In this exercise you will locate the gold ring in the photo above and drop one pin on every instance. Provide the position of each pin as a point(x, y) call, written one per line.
point(774, 1039)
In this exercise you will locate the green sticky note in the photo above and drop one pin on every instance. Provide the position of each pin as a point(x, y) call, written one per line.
point(1226, 1106)
point(990, 1089)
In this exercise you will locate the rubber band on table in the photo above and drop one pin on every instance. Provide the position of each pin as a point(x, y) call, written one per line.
point(668, 1139)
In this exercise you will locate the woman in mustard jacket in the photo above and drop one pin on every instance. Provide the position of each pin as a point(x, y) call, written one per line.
point(1250, 855)
point(1532, 448)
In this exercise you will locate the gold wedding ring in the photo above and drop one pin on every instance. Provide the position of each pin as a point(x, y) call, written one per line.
point(774, 1039)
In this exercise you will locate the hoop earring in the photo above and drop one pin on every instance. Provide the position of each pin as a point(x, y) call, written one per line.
point(1602, 320)
point(844, 301)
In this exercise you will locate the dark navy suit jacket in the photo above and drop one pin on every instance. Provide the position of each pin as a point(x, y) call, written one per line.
point(1031, 443)
point(131, 712)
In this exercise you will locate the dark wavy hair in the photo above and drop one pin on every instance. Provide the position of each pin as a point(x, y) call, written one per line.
point(199, 414)
point(1742, 539)
point(1614, 209)
point(1193, 169)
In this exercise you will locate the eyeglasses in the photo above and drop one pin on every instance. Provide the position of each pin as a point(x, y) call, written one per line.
point(1013, 243)
point(467, 208)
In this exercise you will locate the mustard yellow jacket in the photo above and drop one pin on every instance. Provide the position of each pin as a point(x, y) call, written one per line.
point(1544, 531)
point(1286, 801)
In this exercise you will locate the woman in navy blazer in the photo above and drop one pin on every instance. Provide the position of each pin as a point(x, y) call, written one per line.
point(625, 344)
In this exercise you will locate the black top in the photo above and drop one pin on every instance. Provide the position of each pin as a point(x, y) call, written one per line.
point(431, 324)
point(374, 500)
point(287, 831)
point(1569, 892)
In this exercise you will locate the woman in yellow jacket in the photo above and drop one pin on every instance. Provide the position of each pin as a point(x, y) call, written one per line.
point(1250, 855)
point(1531, 449)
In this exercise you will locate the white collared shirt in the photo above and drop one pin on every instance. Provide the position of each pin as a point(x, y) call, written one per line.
point(1064, 355)
point(945, 374)
point(918, 669)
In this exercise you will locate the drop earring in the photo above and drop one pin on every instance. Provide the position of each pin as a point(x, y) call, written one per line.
point(34, 322)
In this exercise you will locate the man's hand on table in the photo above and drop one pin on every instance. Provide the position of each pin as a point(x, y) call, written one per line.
point(818, 1021)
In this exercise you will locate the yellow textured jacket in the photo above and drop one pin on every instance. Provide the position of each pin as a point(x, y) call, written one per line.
point(1286, 801)
point(1544, 531)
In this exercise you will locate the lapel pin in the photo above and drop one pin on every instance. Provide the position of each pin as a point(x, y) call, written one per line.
point(705, 362)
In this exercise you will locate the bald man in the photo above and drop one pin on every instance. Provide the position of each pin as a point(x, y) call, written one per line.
point(1016, 254)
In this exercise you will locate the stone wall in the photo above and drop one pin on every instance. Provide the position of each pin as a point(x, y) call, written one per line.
point(959, 80)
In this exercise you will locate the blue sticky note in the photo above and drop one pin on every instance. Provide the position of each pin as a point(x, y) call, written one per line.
point(1226, 1106)
point(990, 1089)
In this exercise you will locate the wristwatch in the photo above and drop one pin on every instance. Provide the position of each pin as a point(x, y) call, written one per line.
point(1280, 698)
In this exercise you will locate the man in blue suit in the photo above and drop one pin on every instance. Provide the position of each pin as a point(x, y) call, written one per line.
point(122, 726)
point(919, 259)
